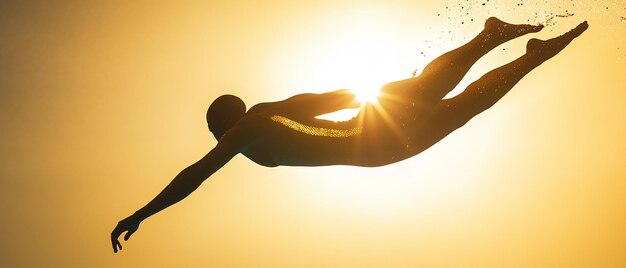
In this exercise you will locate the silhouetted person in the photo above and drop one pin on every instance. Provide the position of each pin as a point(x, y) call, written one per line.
point(410, 117)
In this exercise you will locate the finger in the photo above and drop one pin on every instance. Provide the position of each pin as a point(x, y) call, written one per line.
point(114, 241)
point(114, 244)
point(115, 233)
point(129, 233)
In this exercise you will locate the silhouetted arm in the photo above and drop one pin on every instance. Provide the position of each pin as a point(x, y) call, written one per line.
point(318, 104)
point(183, 184)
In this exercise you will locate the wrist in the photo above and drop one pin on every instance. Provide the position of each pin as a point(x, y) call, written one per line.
point(139, 216)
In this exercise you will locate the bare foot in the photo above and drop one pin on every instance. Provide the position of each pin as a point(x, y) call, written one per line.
point(506, 31)
point(548, 48)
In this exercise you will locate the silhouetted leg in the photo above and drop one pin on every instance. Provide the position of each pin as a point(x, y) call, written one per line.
point(445, 72)
point(453, 113)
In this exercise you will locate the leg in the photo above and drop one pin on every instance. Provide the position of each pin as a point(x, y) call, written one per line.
point(445, 72)
point(453, 113)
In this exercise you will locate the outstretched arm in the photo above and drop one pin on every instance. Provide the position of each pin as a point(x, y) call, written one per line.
point(318, 104)
point(183, 184)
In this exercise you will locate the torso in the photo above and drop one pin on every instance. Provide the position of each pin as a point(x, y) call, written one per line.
point(367, 140)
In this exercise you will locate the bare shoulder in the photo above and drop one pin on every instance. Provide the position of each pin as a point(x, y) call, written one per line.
point(260, 108)
point(245, 131)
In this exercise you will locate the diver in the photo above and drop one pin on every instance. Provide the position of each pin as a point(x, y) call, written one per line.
point(410, 116)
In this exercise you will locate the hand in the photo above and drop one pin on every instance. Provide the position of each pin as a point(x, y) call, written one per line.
point(128, 225)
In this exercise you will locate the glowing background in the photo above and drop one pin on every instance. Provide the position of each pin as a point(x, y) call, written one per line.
point(102, 104)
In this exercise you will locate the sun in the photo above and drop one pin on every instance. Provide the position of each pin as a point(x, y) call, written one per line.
point(360, 53)
point(366, 95)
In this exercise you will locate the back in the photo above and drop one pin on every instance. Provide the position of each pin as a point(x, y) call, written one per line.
point(292, 136)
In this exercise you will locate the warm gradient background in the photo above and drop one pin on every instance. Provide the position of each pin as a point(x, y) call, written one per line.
point(102, 104)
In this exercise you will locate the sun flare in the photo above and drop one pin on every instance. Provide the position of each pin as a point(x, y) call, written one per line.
point(362, 54)
point(366, 95)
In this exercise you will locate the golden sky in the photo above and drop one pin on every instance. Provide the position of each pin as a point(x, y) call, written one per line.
point(103, 103)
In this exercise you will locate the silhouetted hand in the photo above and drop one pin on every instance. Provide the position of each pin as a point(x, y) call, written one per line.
point(128, 225)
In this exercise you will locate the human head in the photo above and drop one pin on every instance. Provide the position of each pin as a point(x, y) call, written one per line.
point(223, 113)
